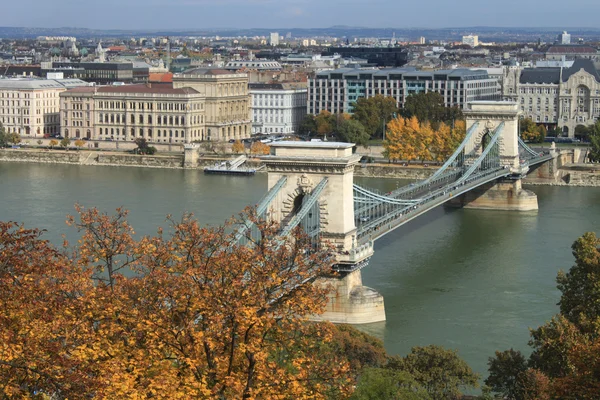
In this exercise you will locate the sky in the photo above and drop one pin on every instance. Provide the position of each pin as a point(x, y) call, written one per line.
point(199, 14)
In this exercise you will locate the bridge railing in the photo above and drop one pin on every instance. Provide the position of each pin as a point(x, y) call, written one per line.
point(384, 224)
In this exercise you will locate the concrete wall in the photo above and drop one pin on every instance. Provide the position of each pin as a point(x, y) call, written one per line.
point(139, 161)
point(106, 145)
point(48, 157)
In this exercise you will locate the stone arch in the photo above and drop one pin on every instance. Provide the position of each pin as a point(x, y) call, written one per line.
point(291, 205)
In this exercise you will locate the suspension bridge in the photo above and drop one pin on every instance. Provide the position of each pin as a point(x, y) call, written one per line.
point(312, 185)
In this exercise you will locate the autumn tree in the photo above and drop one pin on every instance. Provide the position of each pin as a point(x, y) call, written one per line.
point(53, 143)
point(325, 123)
point(79, 143)
point(202, 316)
point(237, 147)
point(374, 113)
point(260, 148)
point(65, 142)
point(530, 131)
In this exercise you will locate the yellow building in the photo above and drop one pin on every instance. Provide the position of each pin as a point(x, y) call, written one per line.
point(30, 106)
point(227, 99)
point(157, 112)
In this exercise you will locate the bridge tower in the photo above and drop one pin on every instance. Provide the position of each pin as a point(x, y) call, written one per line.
point(306, 165)
point(502, 194)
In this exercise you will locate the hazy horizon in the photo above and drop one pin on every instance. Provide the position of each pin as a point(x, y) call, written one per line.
point(299, 14)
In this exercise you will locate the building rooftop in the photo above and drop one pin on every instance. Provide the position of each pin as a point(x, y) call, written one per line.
point(278, 86)
point(540, 75)
point(207, 71)
point(37, 83)
point(572, 49)
point(132, 89)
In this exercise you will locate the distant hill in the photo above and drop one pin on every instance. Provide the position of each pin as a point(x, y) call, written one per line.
point(498, 34)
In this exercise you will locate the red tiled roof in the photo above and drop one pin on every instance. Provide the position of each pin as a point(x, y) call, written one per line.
point(572, 49)
point(160, 77)
point(149, 88)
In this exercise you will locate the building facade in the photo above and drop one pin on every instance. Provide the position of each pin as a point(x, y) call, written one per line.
point(158, 113)
point(337, 90)
point(379, 56)
point(572, 52)
point(227, 101)
point(560, 98)
point(30, 107)
point(471, 40)
point(278, 107)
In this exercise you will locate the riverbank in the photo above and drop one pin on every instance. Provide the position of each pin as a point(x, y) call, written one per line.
point(587, 175)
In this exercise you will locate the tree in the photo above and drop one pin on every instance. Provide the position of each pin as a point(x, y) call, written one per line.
point(40, 142)
point(53, 143)
point(441, 372)
point(374, 113)
point(308, 126)
point(505, 370)
point(3, 139)
point(79, 143)
point(65, 142)
point(594, 137)
point(237, 147)
point(203, 316)
point(352, 131)
point(143, 147)
point(13, 138)
point(260, 148)
point(580, 287)
point(530, 132)
point(429, 107)
point(325, 123)
point(387, 384)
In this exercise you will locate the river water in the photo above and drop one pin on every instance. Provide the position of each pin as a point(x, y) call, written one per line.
point(469, 280)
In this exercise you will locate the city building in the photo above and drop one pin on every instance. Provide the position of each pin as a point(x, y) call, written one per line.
point(278, 107)
point(96, 72)
point(274, 39)
point(471, 40)
point(377, 56)
point(30, 106)
point(227, 101)
point(157, 112)
point(260, 65)
point(572, 52)
point(337, 90)
point(564, 38)
point(560, 98)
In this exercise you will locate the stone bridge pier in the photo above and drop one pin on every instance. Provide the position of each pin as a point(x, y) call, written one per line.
point(502, 194)
point(305, 165)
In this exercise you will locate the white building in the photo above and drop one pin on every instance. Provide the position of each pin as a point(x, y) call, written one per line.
point(30, 107)
point(278, 107)
point(564, 38)
point(471, 40)
point(274, 39)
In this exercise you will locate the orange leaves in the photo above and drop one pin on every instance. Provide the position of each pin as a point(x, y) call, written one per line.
point(260, 148)
point(203, 316)
point(408, 139)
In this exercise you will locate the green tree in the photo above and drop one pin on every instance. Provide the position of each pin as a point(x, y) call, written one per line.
point(387, 384)
point(440, 371)
point(505, 371)
point(65, 142)
point(308, 127)
point(13, 138)
point(3, 139)
point(374, 113)
point(352, 131)
point(429, 107)
point(580, 287)
point(594, 138)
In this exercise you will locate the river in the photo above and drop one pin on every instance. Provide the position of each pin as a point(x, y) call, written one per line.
point(470, 280)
